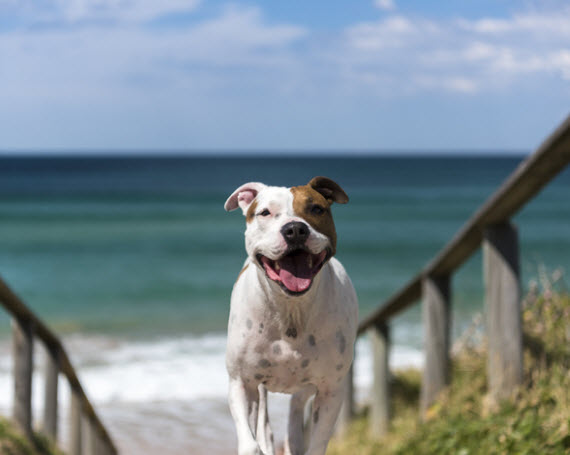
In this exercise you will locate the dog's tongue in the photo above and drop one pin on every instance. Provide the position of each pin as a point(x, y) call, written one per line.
point(295, 273)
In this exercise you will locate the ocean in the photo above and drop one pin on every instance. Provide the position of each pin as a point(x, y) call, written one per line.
point(131, 260)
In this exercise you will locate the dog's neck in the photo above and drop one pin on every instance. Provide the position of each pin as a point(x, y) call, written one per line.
point(291, 311)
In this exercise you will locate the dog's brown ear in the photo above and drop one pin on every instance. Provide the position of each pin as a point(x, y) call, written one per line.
point(329, 189)
point(243, 196)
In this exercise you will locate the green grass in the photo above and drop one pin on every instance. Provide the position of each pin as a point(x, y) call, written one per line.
point(12, 442)
point(536, 420)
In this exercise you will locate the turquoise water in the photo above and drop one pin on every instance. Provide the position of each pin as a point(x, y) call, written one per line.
point(142, 246)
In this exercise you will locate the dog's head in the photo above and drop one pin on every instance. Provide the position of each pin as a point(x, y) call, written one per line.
point(290, 231)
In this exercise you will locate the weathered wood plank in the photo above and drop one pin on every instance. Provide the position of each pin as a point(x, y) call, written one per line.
point(50, 396)
point(436, 313)
point(90, 439)
point(23, 348)
point(503, 306)
point(380, 393)
point(75, 431)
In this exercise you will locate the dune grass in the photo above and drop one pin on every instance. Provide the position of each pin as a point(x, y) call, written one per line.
point(12, 442)
point(536, 420)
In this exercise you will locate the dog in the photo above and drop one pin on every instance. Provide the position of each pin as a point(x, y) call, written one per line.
point(293, 316)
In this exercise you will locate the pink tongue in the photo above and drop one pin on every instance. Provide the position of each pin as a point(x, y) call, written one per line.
point(295, 273)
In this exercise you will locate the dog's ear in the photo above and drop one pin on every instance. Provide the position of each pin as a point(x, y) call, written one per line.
point(243, 196)
point(329, 189)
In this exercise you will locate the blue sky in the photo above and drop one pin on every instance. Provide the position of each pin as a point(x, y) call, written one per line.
point(291, 74)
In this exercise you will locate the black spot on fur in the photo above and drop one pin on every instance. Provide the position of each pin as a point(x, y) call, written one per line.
point(305, 363)
point(291, 332)
point(264, 363)
point(312, 341)
point(341, 341)
point(249, 324)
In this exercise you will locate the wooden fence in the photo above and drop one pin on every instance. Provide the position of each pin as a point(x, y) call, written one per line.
point(87, 434)
point(490, 227)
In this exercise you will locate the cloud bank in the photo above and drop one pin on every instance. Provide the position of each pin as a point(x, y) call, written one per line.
point(98, 73)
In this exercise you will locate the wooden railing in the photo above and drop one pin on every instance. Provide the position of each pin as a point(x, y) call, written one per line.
point(491, 227)
point(87, 434)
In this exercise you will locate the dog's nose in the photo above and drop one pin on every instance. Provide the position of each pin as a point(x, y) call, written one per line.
point(295, 232)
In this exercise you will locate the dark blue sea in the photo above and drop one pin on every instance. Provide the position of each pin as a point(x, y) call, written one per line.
point(132, 260)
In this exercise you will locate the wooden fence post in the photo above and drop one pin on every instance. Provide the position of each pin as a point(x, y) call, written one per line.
point(437, 326)
point(380, 399)
point(503, 307)
point(90, 440)
point(23, 347)
point(51, 392)
point(75, 417)
point(347, 410)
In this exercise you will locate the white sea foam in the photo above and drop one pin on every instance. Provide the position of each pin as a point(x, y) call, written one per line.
point(186, 368)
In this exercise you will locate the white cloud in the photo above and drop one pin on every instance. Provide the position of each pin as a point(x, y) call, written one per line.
point(100, 60)
point(391, 32)
point(548, 24)
point(74, 11)
point(463, 56)
point(386, 5)
point(93, 62)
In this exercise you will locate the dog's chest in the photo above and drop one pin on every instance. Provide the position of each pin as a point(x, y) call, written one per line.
point(295, 360)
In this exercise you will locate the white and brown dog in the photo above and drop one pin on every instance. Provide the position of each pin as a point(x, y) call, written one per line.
point(293, 316)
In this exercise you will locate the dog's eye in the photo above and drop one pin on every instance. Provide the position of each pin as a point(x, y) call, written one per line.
point(265, 212)
point(317, 209)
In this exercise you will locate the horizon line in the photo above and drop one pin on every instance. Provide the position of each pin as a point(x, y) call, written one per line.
point(256, 152)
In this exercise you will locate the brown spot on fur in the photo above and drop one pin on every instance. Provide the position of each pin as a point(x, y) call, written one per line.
point(250, 215)
point(304, 199)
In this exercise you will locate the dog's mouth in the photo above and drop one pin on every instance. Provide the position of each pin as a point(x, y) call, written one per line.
point(295, 270)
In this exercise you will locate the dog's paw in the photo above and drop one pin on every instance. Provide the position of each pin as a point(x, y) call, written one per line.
point(250, 449)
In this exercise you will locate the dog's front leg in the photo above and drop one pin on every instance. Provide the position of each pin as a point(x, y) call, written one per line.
point(294, 443)
point(244, 406)
point(264, 433)
point(326, 407)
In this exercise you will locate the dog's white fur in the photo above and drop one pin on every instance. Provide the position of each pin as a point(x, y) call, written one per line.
point(297, 344)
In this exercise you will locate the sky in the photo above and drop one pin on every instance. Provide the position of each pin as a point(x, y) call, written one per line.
point(201, 75)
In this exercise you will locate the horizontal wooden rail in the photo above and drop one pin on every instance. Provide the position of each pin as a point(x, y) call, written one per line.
point(522, 185)
point(27, 322)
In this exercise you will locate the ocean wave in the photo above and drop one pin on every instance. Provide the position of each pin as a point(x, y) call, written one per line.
point(115, 370)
